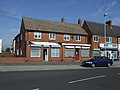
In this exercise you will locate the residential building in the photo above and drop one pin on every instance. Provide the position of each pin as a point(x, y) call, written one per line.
point(17, 46)
point(0, 45)
point(45, 40)
point(100, 45)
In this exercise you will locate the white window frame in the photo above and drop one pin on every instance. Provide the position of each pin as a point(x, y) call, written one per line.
point(69, 53)
point(55, 52)
point(34, 50)
point(85, 54)
point(21, 36)
point(52, 36)
point(118, 40)
point(37, 35)
point(78, 38)
point(66, 37)
point(95, 38)
point(110, 40)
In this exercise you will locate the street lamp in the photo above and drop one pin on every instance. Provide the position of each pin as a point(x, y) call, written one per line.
point(105, 15)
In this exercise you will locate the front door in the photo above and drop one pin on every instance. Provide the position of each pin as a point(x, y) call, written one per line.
point(76, 54)
point(45, 54)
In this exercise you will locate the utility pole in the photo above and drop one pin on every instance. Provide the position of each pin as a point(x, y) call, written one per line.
point(105, 15)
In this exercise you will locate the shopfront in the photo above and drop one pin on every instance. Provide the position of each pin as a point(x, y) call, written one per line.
point(76, 51)
point(109, 50)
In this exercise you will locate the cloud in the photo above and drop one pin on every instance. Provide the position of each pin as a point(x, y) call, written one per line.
point(114, 3)
point(107, 7)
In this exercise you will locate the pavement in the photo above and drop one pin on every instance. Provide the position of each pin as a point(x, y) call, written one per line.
point(38, 66)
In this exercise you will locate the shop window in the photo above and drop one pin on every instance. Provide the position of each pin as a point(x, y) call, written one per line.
point(69, 52)
point(96, 53)
point(35, 51)
point(55, 52)
point(84, 53)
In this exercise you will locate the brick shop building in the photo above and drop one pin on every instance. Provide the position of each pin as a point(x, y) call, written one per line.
point(111, 48)
point(45, 40)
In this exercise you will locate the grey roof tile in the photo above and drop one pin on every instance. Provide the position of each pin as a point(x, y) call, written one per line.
point(98, 29)
point(52, 26)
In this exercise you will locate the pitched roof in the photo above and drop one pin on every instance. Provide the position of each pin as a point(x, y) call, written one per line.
point(52, 26)
point(98, 29)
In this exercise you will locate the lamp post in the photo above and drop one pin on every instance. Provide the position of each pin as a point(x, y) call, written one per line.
point(105, 15)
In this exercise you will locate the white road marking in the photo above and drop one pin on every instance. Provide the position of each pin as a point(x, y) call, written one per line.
point(118, 73)
point(36, 89)
point(85, 79)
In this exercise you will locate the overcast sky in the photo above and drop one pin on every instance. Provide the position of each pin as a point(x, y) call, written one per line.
point(12, 11)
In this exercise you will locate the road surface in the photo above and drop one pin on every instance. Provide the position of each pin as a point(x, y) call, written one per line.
point(83, 79)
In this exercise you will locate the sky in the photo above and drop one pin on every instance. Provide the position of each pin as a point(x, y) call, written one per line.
point(12, 11)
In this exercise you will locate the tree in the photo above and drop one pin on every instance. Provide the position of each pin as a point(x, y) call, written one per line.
point(7, 49)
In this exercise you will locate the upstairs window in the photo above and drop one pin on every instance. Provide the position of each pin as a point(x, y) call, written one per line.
point(66, 37)
point(95, 38)
point(118, 40)
point(52, 36)
point(108, 39)
point(37, 35)
point(78, 38)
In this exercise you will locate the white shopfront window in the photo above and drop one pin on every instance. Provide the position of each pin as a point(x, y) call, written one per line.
point(55, 52)
point(35, 52)
point(69, 52)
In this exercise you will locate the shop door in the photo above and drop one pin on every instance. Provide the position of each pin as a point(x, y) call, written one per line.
point(45, 54)
point(76, 54)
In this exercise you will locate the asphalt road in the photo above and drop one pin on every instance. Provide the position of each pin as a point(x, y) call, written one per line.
point(83, 79)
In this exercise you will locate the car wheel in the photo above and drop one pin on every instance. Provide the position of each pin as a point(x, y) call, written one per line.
point(93, 65)
point(109, 65)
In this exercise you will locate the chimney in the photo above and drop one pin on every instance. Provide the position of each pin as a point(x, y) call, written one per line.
point(62, 20)
point(109, 23)
point(79, 22)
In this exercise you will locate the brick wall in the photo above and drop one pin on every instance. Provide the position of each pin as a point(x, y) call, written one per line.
point(59, 38)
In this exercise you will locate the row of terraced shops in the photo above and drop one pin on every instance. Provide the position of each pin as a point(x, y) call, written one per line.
point(45, 40)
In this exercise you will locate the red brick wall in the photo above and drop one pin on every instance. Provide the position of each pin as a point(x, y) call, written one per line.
point(23, 41)
point(101, 40)
point(28, 35)
point(19, 59)
point(59, 38)
point(13, 59)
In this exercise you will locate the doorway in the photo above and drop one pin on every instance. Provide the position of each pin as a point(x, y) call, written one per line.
point(45, 54)
point(76, 54)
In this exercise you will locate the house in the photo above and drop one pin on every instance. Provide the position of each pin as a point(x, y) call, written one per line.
point(45, 40)
point(0, 45)
point(17, 46)
point(97, 40)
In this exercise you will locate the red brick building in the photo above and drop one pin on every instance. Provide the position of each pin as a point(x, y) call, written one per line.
point(44, 40)
point(97, 40)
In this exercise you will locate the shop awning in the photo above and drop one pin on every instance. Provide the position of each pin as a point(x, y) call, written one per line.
point(44, 44)
point(72, 44)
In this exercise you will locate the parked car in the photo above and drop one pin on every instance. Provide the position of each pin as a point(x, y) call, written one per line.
point(98, 61)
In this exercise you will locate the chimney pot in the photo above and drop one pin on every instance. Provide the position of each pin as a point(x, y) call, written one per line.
point(62, 20)
point(79, 22)
point(109, 23)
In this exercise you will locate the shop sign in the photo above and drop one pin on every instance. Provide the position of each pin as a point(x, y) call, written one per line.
point(108, 45)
